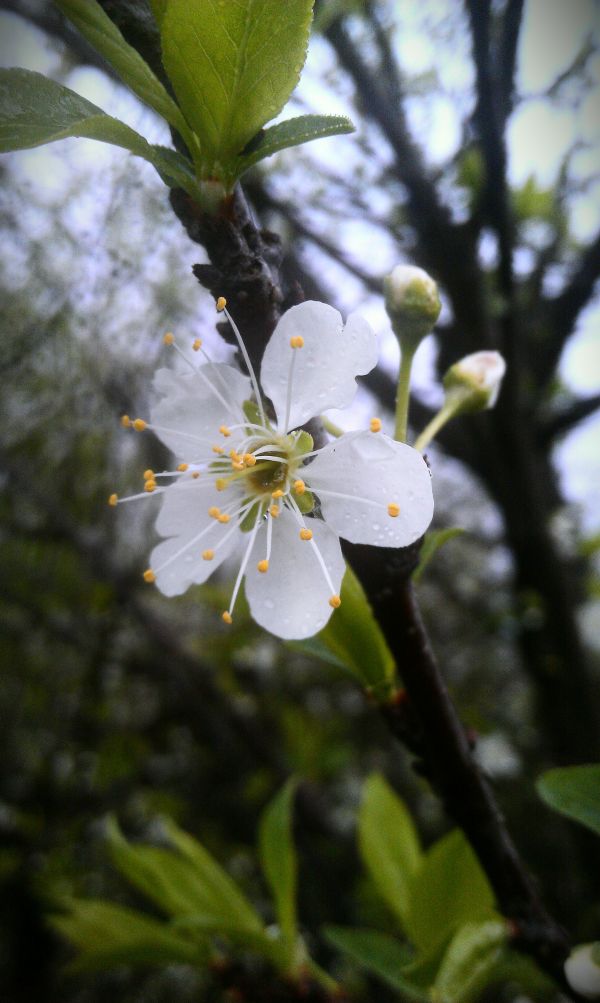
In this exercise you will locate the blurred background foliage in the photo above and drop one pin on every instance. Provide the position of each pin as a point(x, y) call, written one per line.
point(114, 699)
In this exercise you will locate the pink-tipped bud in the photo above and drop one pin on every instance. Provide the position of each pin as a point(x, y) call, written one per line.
point(476, 379)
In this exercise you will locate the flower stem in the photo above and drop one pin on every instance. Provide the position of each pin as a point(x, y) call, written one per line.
point(444, 415)
point(403, 394)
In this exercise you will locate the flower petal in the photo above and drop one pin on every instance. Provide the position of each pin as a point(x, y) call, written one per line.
point(189, 414)
point(324, 368)
point(185, 520)
point(291, 599)
point(375, 468)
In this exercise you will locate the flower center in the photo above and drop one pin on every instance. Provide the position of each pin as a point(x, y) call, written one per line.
point(269, 475)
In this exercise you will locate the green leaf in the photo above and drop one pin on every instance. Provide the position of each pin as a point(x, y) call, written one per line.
point(278, 858)
point(449, 889)
point(292, 132)
point(355, 637)
point(516, 968)
point(378, 953)
point(175, 170)
point(316, 649)
point(589, 546)
point(469, 963)
point(158, 9)
point(35, 110)
point(108, 935)
point(189, 883)
point(222, 890)
point(389, 844)
point(233, 66)
point(103, 34)
point(532, 202)
point(435, 539)
point(574, 791)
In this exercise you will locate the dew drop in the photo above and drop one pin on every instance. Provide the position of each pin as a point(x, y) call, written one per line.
point(376, 526)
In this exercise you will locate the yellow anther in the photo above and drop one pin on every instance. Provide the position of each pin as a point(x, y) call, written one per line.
point(221, 304)
point(149, 576)
point(113, 500)
point(214, 512)
point(126, 421)
point(236, 465)
point(168, 338)
point(218, 450)
point(150, 486)
point(306, 534)
point(297, 341)
point(139, 424)
point(335, 601)
point(207, 555)
point(274, 511)
point(197, 344)
point(393, 510)
point(224, 517)
point(277, 494)
point(224, 430)
point(263, 566)
point(148, 475)
point(375, 424)
point(183, 467)
point(226, 617)
point(249, 459)
point(234, 456)
point(299, 487)
point(221, 483)
point(196, 475)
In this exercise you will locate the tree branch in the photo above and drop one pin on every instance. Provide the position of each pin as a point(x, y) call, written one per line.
point(563, 311)
point(507, 55)
point(567, 419)
point(441, 742)
point(490, 129)
point(268, 201)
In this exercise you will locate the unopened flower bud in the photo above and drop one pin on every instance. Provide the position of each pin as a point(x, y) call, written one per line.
point(412, 302)
point(582, 970)
point(475, 380)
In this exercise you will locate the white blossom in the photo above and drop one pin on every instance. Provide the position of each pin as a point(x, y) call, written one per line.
point(250, 482)
point(582, 969)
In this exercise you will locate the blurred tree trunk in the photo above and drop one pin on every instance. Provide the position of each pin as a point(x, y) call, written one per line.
point(507, 449)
